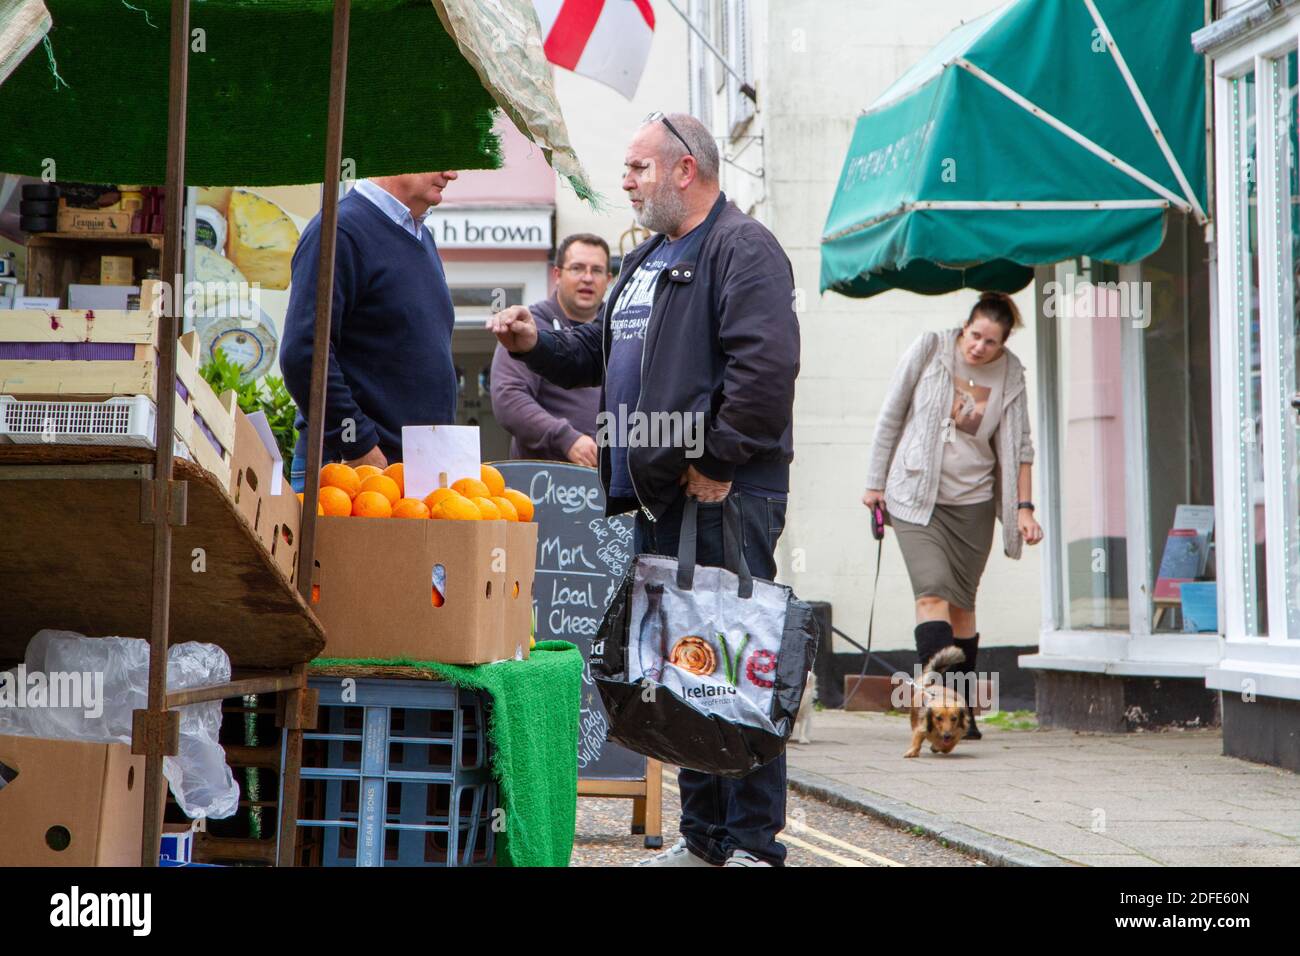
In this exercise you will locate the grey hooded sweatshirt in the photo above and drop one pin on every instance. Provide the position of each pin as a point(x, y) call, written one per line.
point(543, 419)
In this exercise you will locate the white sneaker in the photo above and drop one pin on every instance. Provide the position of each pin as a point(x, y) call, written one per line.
point(676, 855)
point(744, 858)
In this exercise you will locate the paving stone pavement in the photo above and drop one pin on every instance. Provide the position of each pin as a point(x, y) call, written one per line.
point(1038, 797)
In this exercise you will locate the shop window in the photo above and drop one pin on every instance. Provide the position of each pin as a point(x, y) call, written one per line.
point(1090, 429)
point(1176, 367)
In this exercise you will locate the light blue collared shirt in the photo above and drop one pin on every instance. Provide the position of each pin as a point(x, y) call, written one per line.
point(393, 207)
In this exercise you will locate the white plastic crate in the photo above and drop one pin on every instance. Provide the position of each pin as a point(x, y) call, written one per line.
point(117, 421)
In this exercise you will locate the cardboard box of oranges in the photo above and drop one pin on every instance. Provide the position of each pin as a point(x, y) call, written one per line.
point(448, 578)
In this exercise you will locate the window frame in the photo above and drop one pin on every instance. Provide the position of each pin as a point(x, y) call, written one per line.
point(1282, 557)
point(738, 50)
point(1137, 520)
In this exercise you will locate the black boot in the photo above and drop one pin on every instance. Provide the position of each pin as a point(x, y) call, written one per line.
point(970, 646)
point(931, 638)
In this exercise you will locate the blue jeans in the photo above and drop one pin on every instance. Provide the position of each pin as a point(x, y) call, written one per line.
point(298, 473)
point(720, 814)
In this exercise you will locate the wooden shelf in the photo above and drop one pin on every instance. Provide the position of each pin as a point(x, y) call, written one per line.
point(57, 259)
point(153, 240)
point(77, 557)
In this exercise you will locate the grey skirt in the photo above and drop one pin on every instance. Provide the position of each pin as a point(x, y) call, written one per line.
point(946, 557)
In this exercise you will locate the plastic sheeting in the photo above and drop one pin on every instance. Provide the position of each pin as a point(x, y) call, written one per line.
point(502, 40)
point(198, 775)
point(23, 23)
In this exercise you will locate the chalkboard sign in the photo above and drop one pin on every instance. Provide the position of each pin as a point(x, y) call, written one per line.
point(581, 557)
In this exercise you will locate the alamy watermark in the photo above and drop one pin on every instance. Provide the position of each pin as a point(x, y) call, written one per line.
point(1081, 298)
point(637, 429)
point(212, 299)
point(73, 909)
point(977, 688)
point(63, 690)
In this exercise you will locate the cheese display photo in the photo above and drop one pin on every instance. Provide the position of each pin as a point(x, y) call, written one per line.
point(261, 239)
point(218, 275)
point(259, 229)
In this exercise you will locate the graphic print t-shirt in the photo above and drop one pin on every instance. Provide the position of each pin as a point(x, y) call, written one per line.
point(966, 476)
point(629, 317)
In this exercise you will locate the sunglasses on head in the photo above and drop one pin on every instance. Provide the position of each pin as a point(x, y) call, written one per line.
point(658, 116)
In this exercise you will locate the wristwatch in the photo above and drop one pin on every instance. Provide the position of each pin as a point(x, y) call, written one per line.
point(1022, 505)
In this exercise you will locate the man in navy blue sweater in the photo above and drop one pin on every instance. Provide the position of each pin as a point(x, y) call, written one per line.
point(390, 358)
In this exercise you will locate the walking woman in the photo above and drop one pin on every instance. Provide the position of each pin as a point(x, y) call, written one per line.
point(951, 451)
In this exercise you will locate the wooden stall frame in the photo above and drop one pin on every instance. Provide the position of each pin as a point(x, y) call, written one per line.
point(647, 798)
point(155, 730)
point(297, 719)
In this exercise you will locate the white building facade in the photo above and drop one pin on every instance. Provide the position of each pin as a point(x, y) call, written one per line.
point(815, 65)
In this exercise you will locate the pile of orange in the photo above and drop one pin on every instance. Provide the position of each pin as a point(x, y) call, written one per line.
point(368, 492)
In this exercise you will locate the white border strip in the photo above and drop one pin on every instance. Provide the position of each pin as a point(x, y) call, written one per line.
point(1137, 496)
point(1042, 204)
point(1019, 205)
point(1072, 133)
point(1141, 102)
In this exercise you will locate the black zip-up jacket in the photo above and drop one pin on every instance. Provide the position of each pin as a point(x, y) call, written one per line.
point(723, 339)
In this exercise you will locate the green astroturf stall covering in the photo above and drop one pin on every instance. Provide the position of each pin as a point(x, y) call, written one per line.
point(1042, 131)
point(534, 728)
point(95, 102)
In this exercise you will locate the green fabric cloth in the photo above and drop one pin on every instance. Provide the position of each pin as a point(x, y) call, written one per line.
point(942, 138)
point(534, 728)
point(258, 94)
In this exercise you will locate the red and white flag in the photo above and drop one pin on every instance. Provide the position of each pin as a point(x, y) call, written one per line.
point(606, 40)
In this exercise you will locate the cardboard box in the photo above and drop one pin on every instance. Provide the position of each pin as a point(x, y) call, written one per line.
point(116, 270)
point(375, 595)
point(274, 518)
point(90, 296)
point(94, 222)
point(71, 803)
point(521, 569)
point(177, 844)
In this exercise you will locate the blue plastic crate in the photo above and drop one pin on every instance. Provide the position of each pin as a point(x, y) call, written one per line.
point(397, 773)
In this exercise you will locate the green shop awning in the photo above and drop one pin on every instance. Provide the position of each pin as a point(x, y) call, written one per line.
point(1045, 130)
point(424, 80)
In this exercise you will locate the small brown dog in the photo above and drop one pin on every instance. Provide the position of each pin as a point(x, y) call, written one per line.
point(939, 715)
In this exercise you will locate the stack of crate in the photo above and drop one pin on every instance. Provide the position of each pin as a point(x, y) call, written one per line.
point(251, 739)
point(397, 773)
point(90, 377)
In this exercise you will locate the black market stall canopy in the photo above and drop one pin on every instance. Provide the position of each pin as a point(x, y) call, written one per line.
point(1044, 130)
point(423, 81)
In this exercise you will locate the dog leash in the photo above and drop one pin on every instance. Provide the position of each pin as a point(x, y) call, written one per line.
point(877, 532)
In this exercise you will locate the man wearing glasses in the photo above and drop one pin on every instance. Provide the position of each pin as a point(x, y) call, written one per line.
point(700, 324)
point(546, 421)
